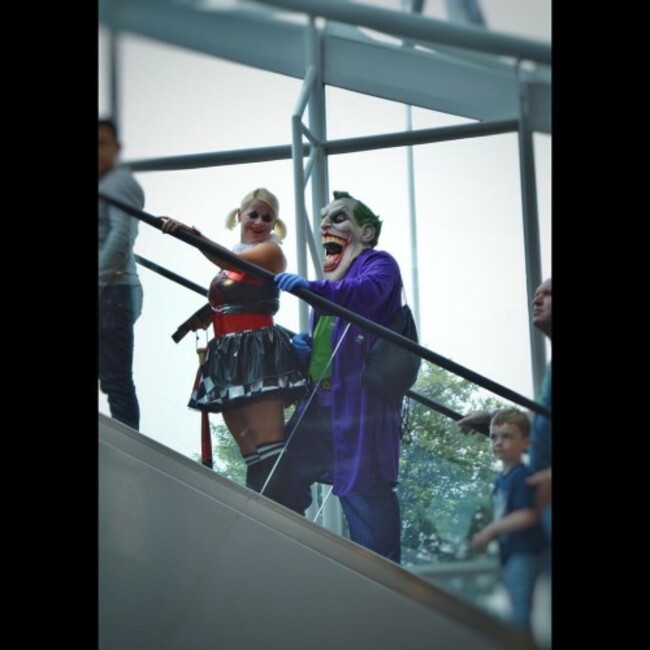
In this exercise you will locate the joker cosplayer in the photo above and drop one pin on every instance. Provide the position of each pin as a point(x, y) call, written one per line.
point(348, 435)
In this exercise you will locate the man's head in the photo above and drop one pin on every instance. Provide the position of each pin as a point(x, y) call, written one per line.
point(108, 146)
point(510, 435)
point(348, 227)
point(542, 304)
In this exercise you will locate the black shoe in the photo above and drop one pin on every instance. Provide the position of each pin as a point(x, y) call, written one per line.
point(254, 476)
point(275, 489)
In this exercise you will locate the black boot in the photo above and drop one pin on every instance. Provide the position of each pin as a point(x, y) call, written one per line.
point(253, 472)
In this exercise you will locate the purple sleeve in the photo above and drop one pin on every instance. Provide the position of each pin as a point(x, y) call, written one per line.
point(364, 288)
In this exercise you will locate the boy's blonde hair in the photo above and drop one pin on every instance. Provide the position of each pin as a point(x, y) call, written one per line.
point(260, 194)
point(512, 416)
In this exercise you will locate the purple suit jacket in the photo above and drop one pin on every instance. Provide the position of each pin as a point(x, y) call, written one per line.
point(365, 429)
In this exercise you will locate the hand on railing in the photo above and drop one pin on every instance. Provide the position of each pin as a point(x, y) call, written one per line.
point(475, 422)
point(172, 225)
point(290, 281)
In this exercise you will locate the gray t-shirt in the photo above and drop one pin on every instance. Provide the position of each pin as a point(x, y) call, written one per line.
point(118, 230)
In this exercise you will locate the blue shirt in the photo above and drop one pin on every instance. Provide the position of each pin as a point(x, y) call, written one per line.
point(511, 492)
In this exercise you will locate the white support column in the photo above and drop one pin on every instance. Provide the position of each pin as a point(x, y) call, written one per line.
point(318, 126)
point(413, 234)
point(531, 234)
point(114, 75)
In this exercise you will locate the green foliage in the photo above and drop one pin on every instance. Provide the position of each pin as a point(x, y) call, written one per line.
point(225, 453)
point(227, 459)
point(446, 478)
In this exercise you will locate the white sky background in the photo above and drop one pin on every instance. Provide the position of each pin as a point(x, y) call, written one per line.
point(470, 245)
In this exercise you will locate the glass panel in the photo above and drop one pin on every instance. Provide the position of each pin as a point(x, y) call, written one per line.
point(176, 102)
point(446, 481)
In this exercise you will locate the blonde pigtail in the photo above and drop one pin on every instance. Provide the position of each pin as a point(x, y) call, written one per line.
point(231, 219)
point(280, 228)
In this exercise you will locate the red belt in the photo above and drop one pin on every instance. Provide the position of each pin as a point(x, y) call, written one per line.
point(229, 323)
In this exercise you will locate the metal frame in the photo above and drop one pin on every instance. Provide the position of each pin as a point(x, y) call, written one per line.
point(343, 145)
point(413, 26)
point(440, 77)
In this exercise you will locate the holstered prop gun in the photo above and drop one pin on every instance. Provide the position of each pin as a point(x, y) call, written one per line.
point(202, 314)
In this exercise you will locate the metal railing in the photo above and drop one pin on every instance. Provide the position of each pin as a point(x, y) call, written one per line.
point(179, 279)
point(418, 27)
point(205, 245)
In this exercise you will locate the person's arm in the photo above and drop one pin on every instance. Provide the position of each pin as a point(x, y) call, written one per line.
point(514, 522)
point(542, 482)
point(372, 286)
point(123, 228)
point(476, 422)
point(268, 255)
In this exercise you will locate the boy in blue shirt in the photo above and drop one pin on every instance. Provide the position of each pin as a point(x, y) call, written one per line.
point(516, 521)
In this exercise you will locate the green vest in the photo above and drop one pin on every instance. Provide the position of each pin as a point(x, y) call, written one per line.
point(322, 349)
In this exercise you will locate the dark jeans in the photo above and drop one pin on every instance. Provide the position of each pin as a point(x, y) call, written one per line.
point(374, 520)
point(373, 516)
point(119, 308)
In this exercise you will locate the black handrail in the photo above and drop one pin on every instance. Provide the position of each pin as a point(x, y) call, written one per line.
point(170, 275)
point(481, 428)
point(206, 245)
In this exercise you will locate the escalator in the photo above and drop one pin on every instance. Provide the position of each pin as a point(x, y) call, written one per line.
point(189, 560)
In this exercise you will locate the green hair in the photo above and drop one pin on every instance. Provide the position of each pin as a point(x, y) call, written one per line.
point(363, 215)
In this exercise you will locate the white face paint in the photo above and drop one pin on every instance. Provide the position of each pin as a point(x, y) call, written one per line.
point(257, 221)
point(343, 239)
